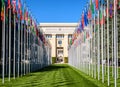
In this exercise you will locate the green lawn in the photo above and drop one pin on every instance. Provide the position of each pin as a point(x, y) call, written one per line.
point(59, 75)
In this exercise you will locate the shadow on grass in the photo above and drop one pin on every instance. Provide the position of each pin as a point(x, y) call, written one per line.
point(52, 68)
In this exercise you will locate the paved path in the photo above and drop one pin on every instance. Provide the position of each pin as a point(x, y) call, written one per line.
point(58, 75)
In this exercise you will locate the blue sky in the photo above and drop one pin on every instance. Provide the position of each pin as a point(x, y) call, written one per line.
point(56, 10)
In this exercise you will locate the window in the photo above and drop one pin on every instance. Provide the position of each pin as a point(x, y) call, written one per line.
point(69, 36)
point(59, 36)
point(59, 42)
point(48, 36)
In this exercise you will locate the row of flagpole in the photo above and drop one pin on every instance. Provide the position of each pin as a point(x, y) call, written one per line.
point(95, 50)
point(28, 55)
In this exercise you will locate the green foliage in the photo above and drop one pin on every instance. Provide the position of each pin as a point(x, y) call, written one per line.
point(65, 59)
point(53, 60)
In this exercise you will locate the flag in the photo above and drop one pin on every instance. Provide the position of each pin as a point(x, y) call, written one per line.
point(70, 41)
point(82, 21)
point(107, 11)
point(14, 5)
point(104, 11)
point(2, 10)
point(19, 9)
point(97, 4)
point(26, 15)
point(111, 10)
point(85, 17)
point(92, 6)
point(119, 4)
point(9, 4)
point(29, 20)
point(101, 17)
point(89, 14)
point(102, 2)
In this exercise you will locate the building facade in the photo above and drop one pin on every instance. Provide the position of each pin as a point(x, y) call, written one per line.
point(59, 35)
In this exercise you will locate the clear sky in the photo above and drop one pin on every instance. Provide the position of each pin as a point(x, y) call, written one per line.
point(56, 10)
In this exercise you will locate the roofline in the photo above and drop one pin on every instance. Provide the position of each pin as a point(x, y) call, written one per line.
point(58, 24)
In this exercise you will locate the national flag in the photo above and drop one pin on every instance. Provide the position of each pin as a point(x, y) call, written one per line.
point(101, 17)
point(92, 6)
point(102, 2)
point(111, 10)
point(9, 4)
point(26, 15)
point(2, 10)
point(78, 30)
point(14, 5)
point(19, 9)
point(29, 20)
point(104, 11)
point(107, 11)
point(85, 17)
point(70, 41)
point(82, 21)
point(97, 4)
point(119, 4)
point(89, 14)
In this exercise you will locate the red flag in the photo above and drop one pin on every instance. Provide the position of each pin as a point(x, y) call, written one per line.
point(89, 14)
point(9, 5)
point(107, 11)
point(19, 9)
point(26, 16)
point(2, 10)
point(83, 21)
point(37, 33)
point(96, 3)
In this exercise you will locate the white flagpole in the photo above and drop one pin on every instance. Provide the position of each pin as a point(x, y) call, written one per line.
point(18, 45)
point(112, 46)
point(108, 42)
point(9, 44)
point(94, 50)
point(117, 43)
point(98, 48)
point(115, 79)
point(3, 48)
point(104, 42)
point(27, 51)
point(21, 46)
point(24, 45)
point(102, 47)
point(14, 47)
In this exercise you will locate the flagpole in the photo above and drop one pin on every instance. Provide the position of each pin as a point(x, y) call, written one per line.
point(24, 46)
point(117, 42)
point(18, 45)
point(102, 46)
point(91, 49)
point(14, 46)
point(98, 48)
point(115, 82)
point(21, 46)
point(29, 49)
point(27, 52)
point(112, 46)
point(108, 42)
point(9, 44)
point(3, 48)
point(94, 50)
point(104, 41)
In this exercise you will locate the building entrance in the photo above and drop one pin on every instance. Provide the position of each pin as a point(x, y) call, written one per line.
point(60, 56)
